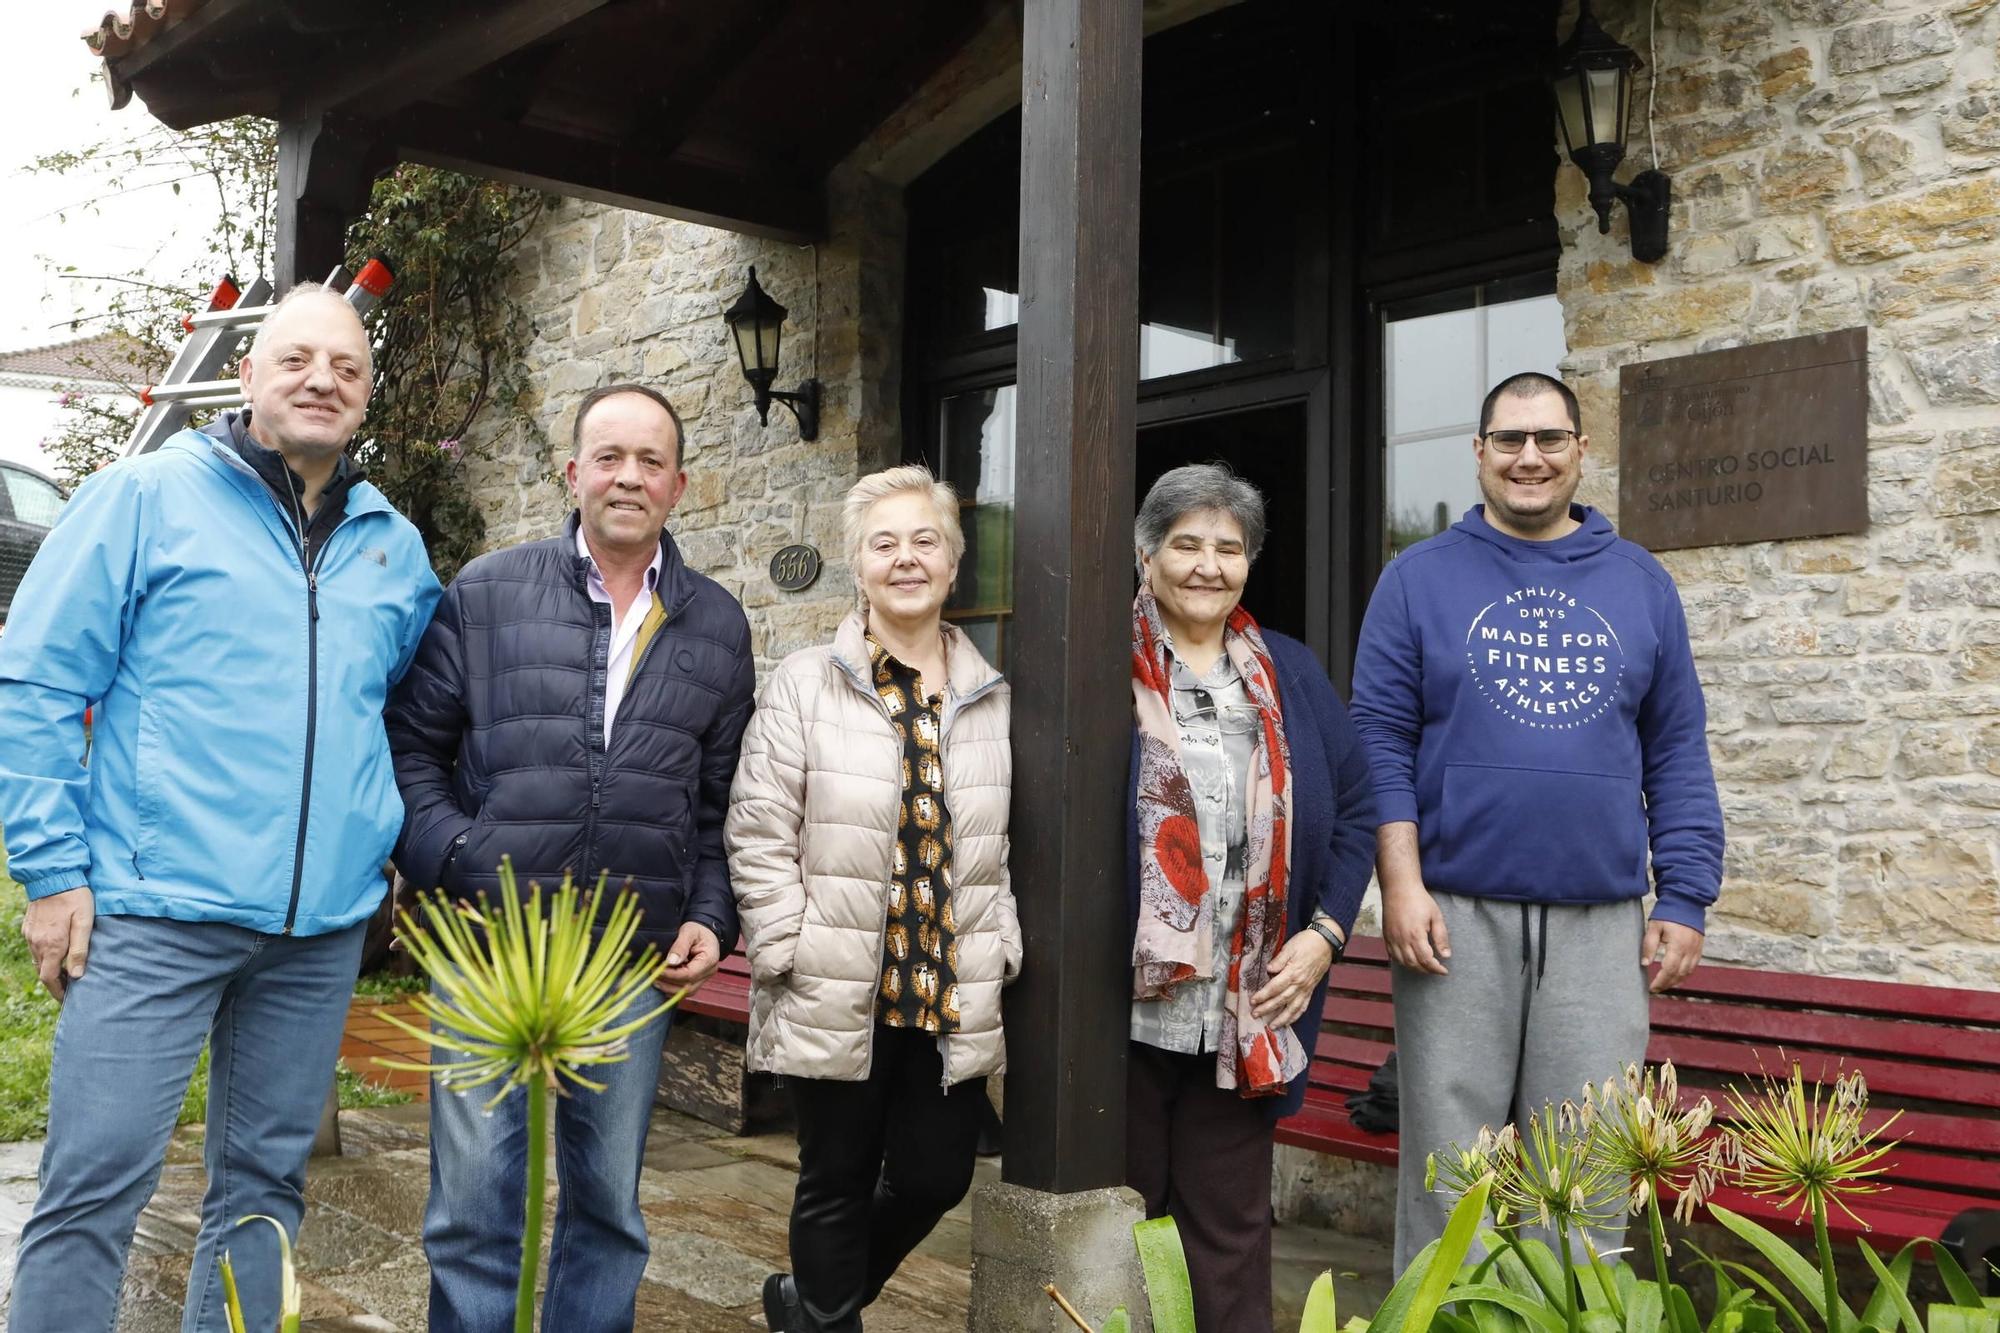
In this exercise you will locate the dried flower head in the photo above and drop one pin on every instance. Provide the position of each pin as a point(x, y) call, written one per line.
point(1791, 1146)
point(1642, 1134)
point(1552, 1180)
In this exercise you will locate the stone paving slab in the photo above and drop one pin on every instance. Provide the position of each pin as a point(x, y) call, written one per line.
point(717, 1206)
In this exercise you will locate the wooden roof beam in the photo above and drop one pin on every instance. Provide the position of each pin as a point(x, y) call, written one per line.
point(789, 210)
point(399, 64)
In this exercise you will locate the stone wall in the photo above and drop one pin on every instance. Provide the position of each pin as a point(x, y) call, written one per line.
point(617, 295)
point(1835, 163)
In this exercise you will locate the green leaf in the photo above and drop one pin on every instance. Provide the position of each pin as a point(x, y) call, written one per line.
point(1167, 1289)
point(1963, 1293)
point(1319, 1315)
point(1645, 1308)
point(1509, 1268)
point(232, 1304)
point(1117, 1322)
point(1532, 1309)
point(1598, 1321)
point(1727, 1314)
point(1963, 1319)
point(1453, 1246)
point(1488, 1317)
point(1770, 1289)
point(1788, 1261)
point(1594, 1280)
point(1891, 1298)
point(1756, 1317)
point(1452, 1323)
point(1548, 1269)
point(1389, 1317)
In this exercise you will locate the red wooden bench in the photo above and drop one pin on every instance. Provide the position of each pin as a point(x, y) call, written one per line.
point(726, 994)
point(1932, 1052)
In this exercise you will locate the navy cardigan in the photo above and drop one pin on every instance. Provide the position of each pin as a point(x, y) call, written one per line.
point(1333, 818)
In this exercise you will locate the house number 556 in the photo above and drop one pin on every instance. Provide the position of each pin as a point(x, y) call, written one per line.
point(795, 567)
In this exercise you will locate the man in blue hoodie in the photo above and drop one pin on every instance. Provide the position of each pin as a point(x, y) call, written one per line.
point(236, 606)
point(1538, 741)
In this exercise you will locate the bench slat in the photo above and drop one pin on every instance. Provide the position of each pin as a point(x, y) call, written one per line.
point(1891, 1078)
point(1798, 1028)
point(1883, 999)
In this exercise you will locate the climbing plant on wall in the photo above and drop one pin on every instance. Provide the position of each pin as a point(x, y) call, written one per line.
point(448, 340)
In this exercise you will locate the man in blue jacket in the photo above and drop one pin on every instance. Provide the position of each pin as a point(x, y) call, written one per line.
point(236, 605)
point(1538, 739)
point(577, 706)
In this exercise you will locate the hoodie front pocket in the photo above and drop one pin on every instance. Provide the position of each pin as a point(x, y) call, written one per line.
point(1541, 835)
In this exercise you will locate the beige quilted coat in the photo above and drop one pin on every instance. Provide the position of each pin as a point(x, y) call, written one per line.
point(811, 830)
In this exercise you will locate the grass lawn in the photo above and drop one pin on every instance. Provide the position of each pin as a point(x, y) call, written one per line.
point(28, 1027)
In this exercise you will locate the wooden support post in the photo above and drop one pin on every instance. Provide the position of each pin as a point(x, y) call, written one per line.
point(326, 167)
point(1068, 1016)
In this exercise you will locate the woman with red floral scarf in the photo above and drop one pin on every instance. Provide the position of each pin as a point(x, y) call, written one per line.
point(1251, 840)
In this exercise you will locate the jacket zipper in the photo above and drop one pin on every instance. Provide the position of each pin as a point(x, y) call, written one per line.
point(309, 565)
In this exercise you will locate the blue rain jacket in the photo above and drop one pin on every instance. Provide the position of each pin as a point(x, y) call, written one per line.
point(240, 771)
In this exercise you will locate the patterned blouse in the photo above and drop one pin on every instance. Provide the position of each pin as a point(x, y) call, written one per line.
point(919, 951)
point(1219, 740)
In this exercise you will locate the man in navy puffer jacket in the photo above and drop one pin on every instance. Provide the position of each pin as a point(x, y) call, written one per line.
point(577, 705)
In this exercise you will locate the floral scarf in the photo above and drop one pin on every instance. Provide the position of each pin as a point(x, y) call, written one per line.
point(1175, 941)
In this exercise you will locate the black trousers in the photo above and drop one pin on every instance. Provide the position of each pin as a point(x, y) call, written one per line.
point(880, 1161)
point(1203, 1155)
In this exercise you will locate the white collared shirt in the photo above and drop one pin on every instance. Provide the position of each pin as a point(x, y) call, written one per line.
point(624, 632)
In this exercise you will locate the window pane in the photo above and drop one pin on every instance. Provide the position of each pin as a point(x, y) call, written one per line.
point(1217, 260)
point(985, 633)
point(1523, 335)
point(1440, 362)
point(1433, 364)
point(35, 501)
point(976, 432)
point(1431, 485)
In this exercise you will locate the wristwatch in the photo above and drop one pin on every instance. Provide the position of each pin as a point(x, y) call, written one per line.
point(1331, 936)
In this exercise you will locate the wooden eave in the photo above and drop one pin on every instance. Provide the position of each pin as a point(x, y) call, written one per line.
point(729, 114)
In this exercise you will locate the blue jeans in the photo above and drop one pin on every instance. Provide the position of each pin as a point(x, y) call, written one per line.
point(479, 1164)
point(272, 1008)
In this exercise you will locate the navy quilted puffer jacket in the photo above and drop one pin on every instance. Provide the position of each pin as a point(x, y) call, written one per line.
point(498, 753)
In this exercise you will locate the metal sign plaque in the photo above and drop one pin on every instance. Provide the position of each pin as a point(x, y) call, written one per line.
point(795, 567)
point(1749, 444)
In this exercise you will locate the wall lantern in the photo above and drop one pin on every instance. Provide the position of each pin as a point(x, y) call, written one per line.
point(1593, 87)
point(758, 324)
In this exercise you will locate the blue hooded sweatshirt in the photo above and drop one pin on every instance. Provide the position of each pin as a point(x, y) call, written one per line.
point(1532, 707)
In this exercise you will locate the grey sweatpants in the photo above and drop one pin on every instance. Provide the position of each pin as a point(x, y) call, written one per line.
point(1537, 1003)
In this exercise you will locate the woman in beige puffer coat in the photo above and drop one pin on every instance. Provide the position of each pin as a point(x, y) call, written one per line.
point(867, 838)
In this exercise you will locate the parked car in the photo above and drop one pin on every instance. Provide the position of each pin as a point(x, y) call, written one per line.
point(29, 503)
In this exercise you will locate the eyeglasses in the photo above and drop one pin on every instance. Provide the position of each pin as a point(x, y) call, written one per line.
point(1546, 441)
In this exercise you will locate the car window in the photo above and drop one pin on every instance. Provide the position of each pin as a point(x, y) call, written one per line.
point(35, 501)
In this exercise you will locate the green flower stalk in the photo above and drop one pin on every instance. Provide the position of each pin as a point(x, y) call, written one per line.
point(1555, 1182)
point(1641, 1135)
point(1789, 1147)
point(527, 999)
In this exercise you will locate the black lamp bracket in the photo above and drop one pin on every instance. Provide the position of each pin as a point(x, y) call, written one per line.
point(803, 403)
point(1649, 199)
